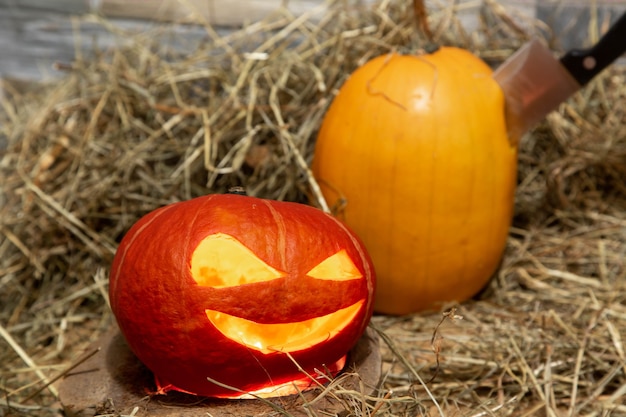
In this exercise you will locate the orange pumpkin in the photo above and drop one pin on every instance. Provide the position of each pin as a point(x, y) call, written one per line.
point(237, 290)
point(413, 155)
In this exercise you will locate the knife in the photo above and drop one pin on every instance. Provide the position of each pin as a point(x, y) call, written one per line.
point(535, 82)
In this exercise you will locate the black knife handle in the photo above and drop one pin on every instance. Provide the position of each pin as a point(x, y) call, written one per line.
point(584, 64)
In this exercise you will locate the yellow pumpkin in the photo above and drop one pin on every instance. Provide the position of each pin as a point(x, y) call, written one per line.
point(413, 155)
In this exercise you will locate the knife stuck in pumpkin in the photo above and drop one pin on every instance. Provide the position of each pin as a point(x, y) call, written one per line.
point(535, 82)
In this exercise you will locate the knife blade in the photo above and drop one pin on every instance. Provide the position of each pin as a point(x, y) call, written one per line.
point(535, 82)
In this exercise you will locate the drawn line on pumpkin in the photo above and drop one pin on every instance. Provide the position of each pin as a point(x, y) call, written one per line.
point(435, 75)
point(371, 90)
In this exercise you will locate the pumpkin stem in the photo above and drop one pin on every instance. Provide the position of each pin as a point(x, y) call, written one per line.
point(237, 190)
point(421, 18)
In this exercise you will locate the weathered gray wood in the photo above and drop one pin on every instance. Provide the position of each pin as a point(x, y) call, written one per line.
point(61, 6)
point(34, 34)
point(215, 12)
point(31, 40)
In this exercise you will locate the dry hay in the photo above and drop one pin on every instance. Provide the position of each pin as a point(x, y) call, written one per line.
point(143, 125)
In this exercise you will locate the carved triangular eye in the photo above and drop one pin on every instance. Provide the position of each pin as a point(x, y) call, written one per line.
point(337, 267)
point(220, 260)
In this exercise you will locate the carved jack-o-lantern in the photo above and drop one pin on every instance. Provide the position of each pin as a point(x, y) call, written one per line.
point(233, 291)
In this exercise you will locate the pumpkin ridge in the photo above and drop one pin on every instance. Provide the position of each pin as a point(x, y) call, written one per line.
point(281, 243)
point(126, 245)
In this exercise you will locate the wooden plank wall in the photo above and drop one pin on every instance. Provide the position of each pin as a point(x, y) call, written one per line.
point(215, 12)
point(34, 34)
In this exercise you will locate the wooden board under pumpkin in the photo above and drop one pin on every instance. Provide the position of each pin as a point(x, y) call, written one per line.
point(114, 381)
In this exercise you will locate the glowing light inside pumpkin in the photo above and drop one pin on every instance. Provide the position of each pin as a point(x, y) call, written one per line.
point(283, 337)
point(221, 260)
point(297, 385)
point(338, 267)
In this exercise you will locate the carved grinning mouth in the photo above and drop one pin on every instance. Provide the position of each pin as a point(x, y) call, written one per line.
point(283, 337)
